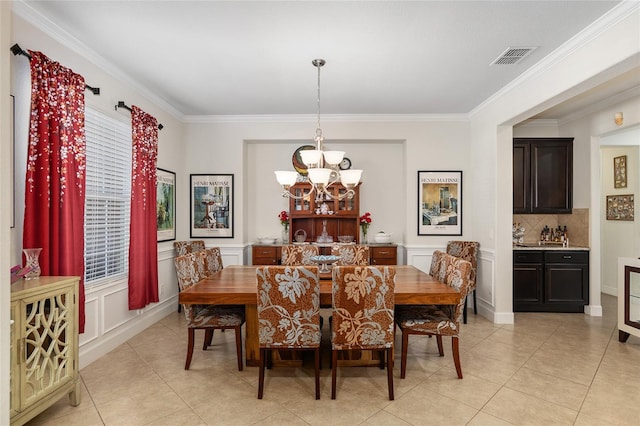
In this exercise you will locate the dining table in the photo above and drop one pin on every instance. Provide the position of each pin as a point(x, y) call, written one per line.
point(237, 285)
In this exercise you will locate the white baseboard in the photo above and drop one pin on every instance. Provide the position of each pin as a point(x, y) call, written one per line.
point(593, 310)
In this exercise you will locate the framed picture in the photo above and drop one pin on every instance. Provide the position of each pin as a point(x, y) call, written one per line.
point(620, 171)
point(211, 206)
point(620, 207)
point(440, 203)
point(166, 205)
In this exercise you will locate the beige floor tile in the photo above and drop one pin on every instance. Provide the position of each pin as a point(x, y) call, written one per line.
point(565, 363)
point(484, 419)
point(470, 390)
point(140, 408)
point(184, 417)
point(282, 418)
point(490, 369)
point(419, 408)
point(521, 409)
point(383, 418)
point(552, 389)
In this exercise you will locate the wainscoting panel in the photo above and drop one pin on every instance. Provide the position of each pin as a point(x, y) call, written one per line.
point(91, 320)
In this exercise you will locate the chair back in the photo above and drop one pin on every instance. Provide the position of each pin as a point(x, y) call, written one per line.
point(467, 250)
point(288, 306)
point(186, 247)
point(296, 255)
point(436, 263)
point(190, 268)
point(457, 274)
point(212, 259)
point(363, 305)
point(352, 254)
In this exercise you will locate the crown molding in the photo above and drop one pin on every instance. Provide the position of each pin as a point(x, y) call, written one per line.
point(535, 122)
point(618, 13)
point(45, 25)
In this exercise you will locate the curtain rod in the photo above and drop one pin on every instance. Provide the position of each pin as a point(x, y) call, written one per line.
point(17, 50)
point(121, 104)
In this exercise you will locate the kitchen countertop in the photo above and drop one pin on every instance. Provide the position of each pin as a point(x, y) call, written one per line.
point(535, 246)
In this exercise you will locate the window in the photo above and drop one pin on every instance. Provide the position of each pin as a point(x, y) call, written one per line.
point(108, 198)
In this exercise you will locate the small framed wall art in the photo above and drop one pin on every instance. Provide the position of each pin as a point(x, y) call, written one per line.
point(620, 171)
point(166, 205)
point(620, 207)
point(211, 206)
point(440, 203)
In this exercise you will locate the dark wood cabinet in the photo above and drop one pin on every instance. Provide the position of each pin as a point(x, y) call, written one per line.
point(266, 254)
point(383, 255)
point(542, 175)
point(550, 281)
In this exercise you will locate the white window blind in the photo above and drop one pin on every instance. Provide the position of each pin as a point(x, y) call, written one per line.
point(108, 198)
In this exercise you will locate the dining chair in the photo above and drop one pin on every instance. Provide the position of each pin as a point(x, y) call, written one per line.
point(467, 250)
point(437, 320)
point(295, 255)
point(352, 254)
point(185, 247)
point(288, 314)
point(191, 268)
point(363, 309)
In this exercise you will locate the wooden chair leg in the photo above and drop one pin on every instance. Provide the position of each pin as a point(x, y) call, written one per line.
point(464, 312)
point(403, 359)
point(390, 372)
point(263, 358)
point(475, 304)
point(191, 332)
point(316, 355)
point(381, 355)
point(456, 355)
point(239, 346)
point(440, 348)
point(334, 367)
point(208, 338)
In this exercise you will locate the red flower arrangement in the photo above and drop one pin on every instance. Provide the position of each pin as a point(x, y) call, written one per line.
point(365, 221)
point(284, 218)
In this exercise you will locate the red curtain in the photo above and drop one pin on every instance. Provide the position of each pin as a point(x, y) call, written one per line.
point(143, 252)
point(55, 179)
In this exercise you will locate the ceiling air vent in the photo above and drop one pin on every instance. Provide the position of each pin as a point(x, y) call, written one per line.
point(513, 55)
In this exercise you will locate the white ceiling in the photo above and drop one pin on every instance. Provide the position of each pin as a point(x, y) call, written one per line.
point(243, 57)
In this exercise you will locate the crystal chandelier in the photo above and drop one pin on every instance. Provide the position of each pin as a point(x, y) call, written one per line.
point(322, 166)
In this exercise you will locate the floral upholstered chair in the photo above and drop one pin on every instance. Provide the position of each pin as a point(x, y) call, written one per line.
point(467, 250)
point(295, 255)
point(191, 268)
point(437, 320)
point(213, 260)
point(288, 313)
point(353, 254)
point(186, 247)
point(362, 317)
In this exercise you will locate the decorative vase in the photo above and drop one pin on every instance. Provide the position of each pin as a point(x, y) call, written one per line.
point(31, 261)
point(285, 235)
point(364, 236)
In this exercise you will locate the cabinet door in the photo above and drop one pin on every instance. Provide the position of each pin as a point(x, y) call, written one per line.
point(566, 287)
point(521, 178)
point(386, 255)
point(552, 176)
point(527, 287)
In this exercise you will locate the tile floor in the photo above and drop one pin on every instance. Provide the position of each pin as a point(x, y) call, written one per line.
point(546, 369)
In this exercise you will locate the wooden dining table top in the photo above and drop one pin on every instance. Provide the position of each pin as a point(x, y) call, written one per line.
point(237, 285)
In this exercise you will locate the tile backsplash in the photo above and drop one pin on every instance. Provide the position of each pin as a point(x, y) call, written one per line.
point(577, 224)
